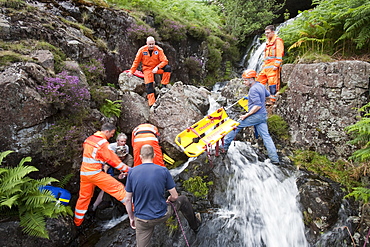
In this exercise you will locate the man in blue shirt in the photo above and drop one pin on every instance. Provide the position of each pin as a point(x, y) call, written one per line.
point(145, 187)
point(257, 115)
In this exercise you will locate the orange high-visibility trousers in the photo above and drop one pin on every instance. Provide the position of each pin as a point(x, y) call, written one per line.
point(149, 76)
point(87, 185)
point(269, 75)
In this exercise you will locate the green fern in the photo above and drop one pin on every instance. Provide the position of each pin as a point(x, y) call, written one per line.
point(111, 108)
point(361, 135)
point(65, 180)
point(332, 27)
point(357, 21)
point(360, 194)
point(21, 193)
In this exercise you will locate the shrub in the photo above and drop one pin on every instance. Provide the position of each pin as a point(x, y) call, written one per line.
point(61, 143)
point(94, 71)
point(172, 30)
point(278, 126)
point(65, 92)
point(214, 59)
point(198, 32)
point(334, 27)
point(22, 194)
point(141, 32)
point(193, 64)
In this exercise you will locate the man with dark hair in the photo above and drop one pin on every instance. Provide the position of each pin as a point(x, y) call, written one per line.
point(146, 185)
point(273, 58)
point(95, 154)
point(154, 61)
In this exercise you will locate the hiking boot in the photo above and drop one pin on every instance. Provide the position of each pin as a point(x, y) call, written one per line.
point(275, 163)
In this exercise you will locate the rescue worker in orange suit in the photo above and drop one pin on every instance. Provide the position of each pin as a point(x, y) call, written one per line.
point(95, 154)
point(273, 57)
point(154, 61)
point(146, 134)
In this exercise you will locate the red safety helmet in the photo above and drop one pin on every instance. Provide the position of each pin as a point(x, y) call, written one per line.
point(249, 73)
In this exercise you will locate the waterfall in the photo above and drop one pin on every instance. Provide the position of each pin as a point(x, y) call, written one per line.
point(254, 52)
point(260, 206)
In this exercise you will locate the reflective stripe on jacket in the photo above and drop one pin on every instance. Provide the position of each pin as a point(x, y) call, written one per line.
point(274, 52)
point(96, 153)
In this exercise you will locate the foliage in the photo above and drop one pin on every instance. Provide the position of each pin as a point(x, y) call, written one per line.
point(65, 180)
point(141, 31)
point(15, 4)
point(334, 27)
point(202, 13)
point(360, 194)
point(60, 144)
point(340, 171)
point(86, 31)
point(193, 64)
point(94, 71)
point(196, 186)
point(172, 224)
point(312, 57)
point(278, 126)
point(111, 108)
point(361, 134)
point(8, 57)
point(198, 32)
point(214, 58)
point(172, 30)
point(23, 193)
point(174, 20)
point(245, 17)
point(18, 51)
point(65, 92)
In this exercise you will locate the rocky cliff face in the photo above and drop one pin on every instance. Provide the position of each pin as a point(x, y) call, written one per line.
point(321, 100)
point(317, 105)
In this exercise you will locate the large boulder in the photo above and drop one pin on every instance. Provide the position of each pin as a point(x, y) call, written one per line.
point(321, 100)
point(176, 110)
point(25, 109)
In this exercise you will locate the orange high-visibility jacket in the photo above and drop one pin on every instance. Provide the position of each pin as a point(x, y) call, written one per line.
point(274, 52)
point(146, 134)
point(157, 58)
point(96, 152)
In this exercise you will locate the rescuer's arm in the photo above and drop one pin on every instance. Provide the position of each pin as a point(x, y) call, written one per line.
point(128, 205)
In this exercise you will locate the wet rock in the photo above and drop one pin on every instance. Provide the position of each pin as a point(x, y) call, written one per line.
point(61, 232)
point(321, 201)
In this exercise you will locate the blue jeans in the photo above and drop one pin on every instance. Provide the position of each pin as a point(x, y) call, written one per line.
point(259, 121)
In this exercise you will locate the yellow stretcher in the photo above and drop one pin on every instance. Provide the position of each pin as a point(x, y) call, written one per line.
point(206, 132)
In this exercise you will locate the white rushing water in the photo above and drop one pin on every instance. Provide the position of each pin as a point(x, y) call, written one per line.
point(262, 205)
